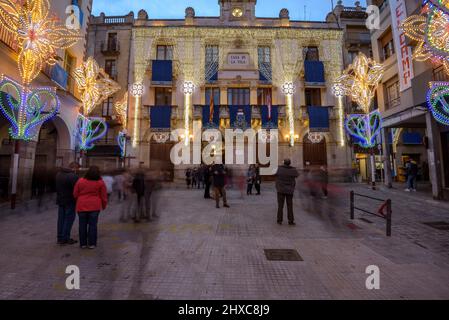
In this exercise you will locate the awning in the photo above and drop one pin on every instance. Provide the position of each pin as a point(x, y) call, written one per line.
point(240, 117)
point(314, 73)
point(160, 117)
point(162, 71)
point(412, 138)
point(206, 116)
point(318, 119)
point(267, 122)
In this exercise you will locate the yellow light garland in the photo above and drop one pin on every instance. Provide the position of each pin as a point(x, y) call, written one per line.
point(360, 81)
point(38, 35)
point(121, 107)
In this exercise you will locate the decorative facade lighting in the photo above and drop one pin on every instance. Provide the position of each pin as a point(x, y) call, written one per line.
point(438, 101)
point(188, 89)
point(38, 35)
point(137, 90)
point(288, 88)
point(315, 137)
point(89, 131)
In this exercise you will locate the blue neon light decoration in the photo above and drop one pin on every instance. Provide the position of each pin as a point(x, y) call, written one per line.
point(121, 140)
point(26, 108)
point(89, 130)
point(365, 128)
point(438, 101)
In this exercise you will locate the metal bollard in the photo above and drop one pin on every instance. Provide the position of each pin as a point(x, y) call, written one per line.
point(352, 205)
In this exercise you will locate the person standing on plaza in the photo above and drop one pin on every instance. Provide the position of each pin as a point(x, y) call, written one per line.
point(285, 186)
point(188, 178)
point(219, 174)
point(91, 198)
point(139, 198)
point(65, 182)
point(119, 181)
point(207, 182)
point(412, 173)
point(257, 179)
point(250, 180)
point(324, 181)
point(109, 182)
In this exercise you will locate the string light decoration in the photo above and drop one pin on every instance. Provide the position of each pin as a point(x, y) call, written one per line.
point(26, 108)
point(430, 30)
point(38, 35)
point(288, 89)
point(121, 108)
point(315, 137)
point(364, 128)
point(360, 81)
point(438, 101)
point(89, 131)
point(137, 90)
point(94, 84)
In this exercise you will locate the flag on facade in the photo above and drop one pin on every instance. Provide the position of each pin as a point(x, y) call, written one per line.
point(269, 107)
point(211, 106)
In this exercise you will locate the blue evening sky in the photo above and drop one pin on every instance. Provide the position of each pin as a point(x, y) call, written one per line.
point(315, 10)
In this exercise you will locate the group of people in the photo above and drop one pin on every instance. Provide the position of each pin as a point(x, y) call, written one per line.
point(87, 196)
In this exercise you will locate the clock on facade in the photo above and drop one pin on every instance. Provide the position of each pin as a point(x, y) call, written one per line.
point(237, 12)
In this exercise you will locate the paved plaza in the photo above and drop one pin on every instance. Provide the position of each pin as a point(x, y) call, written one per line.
point(195, 251)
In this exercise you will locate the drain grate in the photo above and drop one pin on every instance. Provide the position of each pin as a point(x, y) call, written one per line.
point(282, 255)
point(439, 225)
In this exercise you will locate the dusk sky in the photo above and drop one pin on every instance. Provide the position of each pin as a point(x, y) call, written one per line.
point(316, 10)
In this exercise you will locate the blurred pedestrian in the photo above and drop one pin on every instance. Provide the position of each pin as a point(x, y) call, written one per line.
point(188, 178)
point(91, 197)
point(65, 182)
point(109, 182)
point(285, 186)
point(250, 175)
point(139, 197)
point(207, 181)
point(324, 181)
point(219, 173)
point(119, 181)
point(257, 179)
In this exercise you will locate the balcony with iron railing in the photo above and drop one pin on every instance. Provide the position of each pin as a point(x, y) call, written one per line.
point(110, 48)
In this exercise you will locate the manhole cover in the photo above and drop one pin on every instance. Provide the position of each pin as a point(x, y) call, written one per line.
point(439, 225)
point(282, 255)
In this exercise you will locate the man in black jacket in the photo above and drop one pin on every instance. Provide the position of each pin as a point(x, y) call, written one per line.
point(65, 182)
point(219, 175)
point(285, 187)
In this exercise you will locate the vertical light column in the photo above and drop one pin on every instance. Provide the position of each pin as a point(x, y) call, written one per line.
point(341, 121)
point(137, 93)
point(188, 89)
point(289, 89)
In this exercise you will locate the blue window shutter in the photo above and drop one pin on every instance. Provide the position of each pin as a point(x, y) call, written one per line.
point(162, 71)
point(267, 123)
point(314, 72)
point(160, 117)
point(318, 119)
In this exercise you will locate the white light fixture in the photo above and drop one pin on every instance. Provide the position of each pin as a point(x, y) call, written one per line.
point(137, 90)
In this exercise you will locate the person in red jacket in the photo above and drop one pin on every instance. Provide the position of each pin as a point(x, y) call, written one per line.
point(91, 197)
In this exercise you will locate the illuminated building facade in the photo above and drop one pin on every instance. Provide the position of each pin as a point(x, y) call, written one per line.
point(250, 72)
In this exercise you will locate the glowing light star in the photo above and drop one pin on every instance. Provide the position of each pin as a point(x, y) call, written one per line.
point(26, 108)
point(89, 131)
point(438, 101)
point(431, 31)
point(121, 141)
point(364, 128)
point(94, 84)
point(39, 36)
point(360, 81)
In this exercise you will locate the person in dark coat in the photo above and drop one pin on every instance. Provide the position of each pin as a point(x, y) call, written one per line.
point(65, 182)
point(324, 181)
point(257, 179)
point(207, 181)
point(219, 174)
point(139, 190)
point(285, 186)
